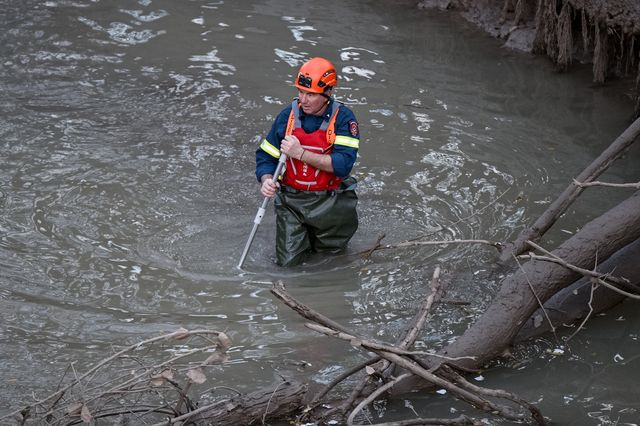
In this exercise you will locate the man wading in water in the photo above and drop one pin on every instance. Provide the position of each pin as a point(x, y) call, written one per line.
point(315, 201)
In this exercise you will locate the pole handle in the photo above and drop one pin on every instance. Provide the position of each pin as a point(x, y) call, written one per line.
point(261, 211)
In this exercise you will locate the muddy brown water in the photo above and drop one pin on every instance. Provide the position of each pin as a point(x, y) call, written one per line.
point(127, 189)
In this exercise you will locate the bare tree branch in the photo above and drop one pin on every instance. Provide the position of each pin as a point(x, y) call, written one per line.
point(279, 291)
point(350, 372)
point(374, 346)
point(635, 185)
point(74, 405)
point(544, 311)
point(586, 318)
point(404, 244)
point(586, 272)
point(375, 394)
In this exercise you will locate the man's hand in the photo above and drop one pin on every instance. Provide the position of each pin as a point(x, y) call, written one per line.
point(290, 146)
point(268, 187)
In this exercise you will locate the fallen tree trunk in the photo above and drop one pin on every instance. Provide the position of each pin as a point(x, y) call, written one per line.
point(536, 281)
point(572, 303)
point(274, 403)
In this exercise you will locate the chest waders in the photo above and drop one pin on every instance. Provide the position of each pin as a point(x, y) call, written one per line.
point(313, 221)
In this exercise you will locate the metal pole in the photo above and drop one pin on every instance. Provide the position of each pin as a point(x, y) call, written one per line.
point(261, 211)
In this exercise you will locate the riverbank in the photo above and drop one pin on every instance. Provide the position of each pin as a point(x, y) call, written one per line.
point(603, 33)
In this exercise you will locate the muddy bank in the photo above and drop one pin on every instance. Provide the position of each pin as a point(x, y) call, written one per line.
point(605, 34)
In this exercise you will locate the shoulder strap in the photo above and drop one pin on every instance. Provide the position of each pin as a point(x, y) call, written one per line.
point(331, 124)
point(332, 115)
point(327, 125)
point(294, 118)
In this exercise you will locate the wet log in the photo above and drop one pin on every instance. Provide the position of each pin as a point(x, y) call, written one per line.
point(572, 303)
point(569, 195)
point(276, 403)
point(518, 296)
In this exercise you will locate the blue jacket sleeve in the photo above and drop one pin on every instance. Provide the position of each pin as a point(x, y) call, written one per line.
point(266, 162)
point(345, 150)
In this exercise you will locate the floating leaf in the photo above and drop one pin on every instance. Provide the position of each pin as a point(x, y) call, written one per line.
point(225, 341)
point(85, 414)
point(74, 408)
point(196, 375)
point(216, 358)
point(370, 370)
point(180, 334)
point(157, 381)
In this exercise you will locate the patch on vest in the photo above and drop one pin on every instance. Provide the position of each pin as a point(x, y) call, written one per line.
point(353, 128)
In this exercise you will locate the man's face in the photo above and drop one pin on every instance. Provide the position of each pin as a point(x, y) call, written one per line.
point(312, 103)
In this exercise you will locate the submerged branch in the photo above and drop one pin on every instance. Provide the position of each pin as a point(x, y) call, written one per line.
point(411, 243)
point(374, 346)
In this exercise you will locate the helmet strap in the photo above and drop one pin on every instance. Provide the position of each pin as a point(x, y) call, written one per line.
point(328, 97)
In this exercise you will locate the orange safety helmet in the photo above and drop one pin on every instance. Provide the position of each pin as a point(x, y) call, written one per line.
point(317, 75)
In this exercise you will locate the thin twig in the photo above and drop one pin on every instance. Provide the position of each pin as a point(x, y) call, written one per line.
point(367, 253)
point(280, 292)
point(594, 284)
point(180, 333)
point(465, 395)
point(266, 410)
point(373, 346)
point(495, 244)
point(369, 399)
point(616, 289)
point(544, 311)
point(357, 391)
point(163, 364)
point(342, 377)
point(496, 393)
point(411, 333)
point(420, 318)
point(550, 257)
point(635, 185)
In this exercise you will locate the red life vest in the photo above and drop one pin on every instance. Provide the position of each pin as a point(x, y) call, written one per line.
point(300, 175)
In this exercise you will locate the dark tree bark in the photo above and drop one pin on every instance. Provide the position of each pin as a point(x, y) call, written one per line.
point(572, 303)
point(271, 404)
